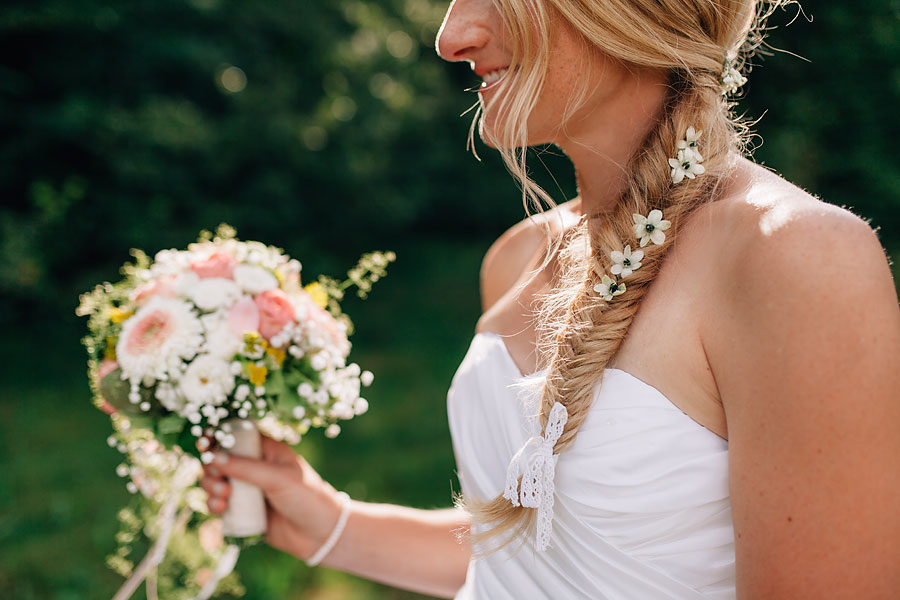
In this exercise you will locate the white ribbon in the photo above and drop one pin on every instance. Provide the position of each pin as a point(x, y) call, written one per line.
point(536, 463)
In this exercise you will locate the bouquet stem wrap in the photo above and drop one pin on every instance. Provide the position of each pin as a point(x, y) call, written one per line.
point(246, 512)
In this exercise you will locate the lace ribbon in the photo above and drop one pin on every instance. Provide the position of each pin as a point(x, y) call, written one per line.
point(536, 464)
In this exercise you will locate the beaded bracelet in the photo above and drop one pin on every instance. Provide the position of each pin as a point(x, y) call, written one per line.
point(335, 534)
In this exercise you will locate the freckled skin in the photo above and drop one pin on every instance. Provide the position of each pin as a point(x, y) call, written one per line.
point(571, 65)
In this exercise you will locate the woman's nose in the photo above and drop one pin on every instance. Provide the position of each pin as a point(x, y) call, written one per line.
point(466, 29)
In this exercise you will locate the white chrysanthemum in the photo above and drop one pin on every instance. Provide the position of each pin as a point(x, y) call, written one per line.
point(221, 341)
point(254, 279)
point(183, 283)
point(609, 288)
point(650, 228)
point(626, 262)
point(212, 293)
point(154, 342)
point(207, 381)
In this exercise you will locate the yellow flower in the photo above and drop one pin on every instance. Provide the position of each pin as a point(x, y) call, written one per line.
point(318, 293)
point(253, 342)
point(257, 374)
point(110, 351)
point(117, 315)
point(277, 354)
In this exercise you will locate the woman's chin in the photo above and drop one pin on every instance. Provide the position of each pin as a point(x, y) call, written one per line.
point(491, 130)
point(491, 134)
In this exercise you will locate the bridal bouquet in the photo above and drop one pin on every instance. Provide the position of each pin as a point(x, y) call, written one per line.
point(207, 347)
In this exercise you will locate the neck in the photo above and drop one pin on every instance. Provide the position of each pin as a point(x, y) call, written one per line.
point(602, 142)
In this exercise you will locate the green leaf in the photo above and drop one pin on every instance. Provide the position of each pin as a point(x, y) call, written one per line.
point(275, 384)
point(171, 424)
point(115, 391)
point(187, 441)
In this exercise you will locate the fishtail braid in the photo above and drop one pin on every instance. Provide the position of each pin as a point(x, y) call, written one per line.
point(579, 332)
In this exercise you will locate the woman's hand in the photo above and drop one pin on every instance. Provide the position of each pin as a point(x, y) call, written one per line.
point(302, 508)
point(410, 548)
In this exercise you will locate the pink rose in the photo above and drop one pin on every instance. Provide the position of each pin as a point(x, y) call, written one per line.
point(219, 264)
point(243, 317)
point(275, 311)
point(164, 287)
point(322, 318)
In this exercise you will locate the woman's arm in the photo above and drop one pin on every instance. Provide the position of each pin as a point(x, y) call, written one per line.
point(409, 548)
point(806, 355)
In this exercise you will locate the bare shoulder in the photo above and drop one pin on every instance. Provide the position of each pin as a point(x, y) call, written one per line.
point(515, 250)
point(768, 215)
point(804, 344)
point(791, 258)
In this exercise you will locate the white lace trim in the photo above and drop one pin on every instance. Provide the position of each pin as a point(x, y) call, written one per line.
point(536, 464)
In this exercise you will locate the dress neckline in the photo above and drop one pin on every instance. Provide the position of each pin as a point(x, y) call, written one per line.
point(539, 373)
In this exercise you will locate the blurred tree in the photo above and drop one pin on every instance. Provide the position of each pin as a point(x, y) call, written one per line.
point(137, 124)
point(830, 120)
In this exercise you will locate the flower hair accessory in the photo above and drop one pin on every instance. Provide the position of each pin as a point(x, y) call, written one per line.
point(686, 162)
point(732, 80)
point(607, 288)
point(626, 262)
point(536, 464)
point(650, 228)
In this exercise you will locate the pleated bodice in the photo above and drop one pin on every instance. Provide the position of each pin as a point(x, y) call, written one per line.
point(641, 506)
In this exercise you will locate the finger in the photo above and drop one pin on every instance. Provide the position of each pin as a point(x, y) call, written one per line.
point(277, 452)
point(216, 505)
point(216, 487)
point(264, 474)
point(212, 472)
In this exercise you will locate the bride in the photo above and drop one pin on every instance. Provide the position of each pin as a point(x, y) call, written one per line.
point(684, 383)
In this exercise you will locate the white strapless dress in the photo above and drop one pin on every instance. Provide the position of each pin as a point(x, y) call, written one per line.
point(641, 508)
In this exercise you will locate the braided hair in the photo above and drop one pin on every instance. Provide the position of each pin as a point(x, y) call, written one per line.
point(579, 331)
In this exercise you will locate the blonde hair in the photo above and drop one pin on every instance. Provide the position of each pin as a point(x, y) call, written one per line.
point(579, 333)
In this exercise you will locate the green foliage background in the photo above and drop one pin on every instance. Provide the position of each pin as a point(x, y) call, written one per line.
point(328, 127)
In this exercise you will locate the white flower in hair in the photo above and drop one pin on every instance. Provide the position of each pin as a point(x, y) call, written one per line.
point(685, 165)
point(732, 80)
point(690, 146)
point(607, 288)
point(626, 262)
point(650, 228)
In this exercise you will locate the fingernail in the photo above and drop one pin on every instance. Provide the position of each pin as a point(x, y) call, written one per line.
point(220, 458)
point(212, 471)
point(218, 488)
point(216, 504)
